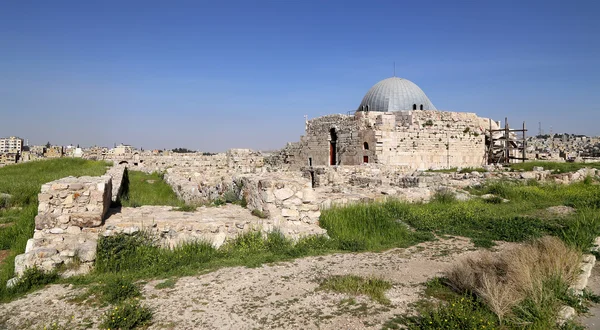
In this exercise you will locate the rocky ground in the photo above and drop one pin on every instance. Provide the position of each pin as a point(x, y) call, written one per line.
point(282, 295)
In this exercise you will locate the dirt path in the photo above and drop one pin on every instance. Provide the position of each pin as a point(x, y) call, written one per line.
point(281, 295)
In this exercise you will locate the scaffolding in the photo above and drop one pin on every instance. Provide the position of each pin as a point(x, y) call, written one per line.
point(504, 145)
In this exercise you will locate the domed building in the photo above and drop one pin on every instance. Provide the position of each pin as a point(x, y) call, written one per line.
point(395, 124)
point(395, 94)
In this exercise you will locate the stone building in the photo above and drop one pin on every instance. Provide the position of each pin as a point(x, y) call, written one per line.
point(395, 124)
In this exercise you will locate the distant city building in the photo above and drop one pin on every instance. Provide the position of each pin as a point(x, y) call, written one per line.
point(72, 151)
point(54, 152)
point(7, 158)
point(11, 144)
point(123, 149)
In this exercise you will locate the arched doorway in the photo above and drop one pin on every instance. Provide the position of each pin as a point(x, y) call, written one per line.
point(332, 147)
point(421, 107)
point(414, 107)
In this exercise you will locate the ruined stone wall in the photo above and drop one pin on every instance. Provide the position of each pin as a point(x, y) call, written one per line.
point(196, 183)
point(315, 144)
point(284, 197)
point(71, 212)
point(71, 201)
point(433, 139)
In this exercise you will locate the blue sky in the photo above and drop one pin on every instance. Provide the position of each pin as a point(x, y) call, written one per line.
point(213, 75)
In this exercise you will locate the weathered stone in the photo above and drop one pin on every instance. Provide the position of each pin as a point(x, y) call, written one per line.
point(283, 193)
point(56, 231)
point(86, 219)
point(290, 213)
point(73, 230)
point(87, 251)
point(65, 218)
point(308, 195)
point(76, 186)
point(12, 282)
point(30, 244)
point(44, 197)
point(565, 313)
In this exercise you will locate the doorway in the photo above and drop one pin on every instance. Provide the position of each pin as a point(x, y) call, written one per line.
point(332, 147)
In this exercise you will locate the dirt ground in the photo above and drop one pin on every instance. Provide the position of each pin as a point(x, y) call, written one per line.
point(283, 295)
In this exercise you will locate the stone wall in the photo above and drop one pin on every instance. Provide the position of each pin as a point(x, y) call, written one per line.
point(71, 201)
point(282, 197)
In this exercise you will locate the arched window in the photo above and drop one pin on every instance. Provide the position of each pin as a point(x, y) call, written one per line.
point(367, 109)
point(366, 146)
point(414, 107)
point(421, 108)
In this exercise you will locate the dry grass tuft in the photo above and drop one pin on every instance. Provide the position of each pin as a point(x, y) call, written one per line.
point(504, 280)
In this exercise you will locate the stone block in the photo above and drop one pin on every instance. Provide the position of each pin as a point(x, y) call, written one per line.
point(283, 193)
point(290, 213)
point(86, 219)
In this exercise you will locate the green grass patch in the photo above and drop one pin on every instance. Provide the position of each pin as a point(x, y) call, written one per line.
point(166, 284)
point(377, 226)
point(556, 167)
point(23, 183)
point(149, 189)
point(356, 285)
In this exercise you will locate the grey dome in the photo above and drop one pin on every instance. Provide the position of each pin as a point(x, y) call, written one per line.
point(395, 94)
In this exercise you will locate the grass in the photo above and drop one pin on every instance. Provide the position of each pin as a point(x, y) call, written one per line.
point(356, 285)
point(462, 170)
point(23, 183)
point(150, 189)
point(556, 167)
point(397, 224)
point(166, 284)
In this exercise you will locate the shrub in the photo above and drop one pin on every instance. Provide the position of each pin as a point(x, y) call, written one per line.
point(118, 289)
point(127, 315)
point(524, 272)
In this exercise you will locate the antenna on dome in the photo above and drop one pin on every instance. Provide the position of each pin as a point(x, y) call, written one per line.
point(394, 68)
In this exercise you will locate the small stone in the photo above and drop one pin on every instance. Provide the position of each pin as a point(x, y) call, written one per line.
point(566, 313)
point(12, 282)
point(65, 218)
point(131, 230)
point(30, 244)
point(289, 213)
point(56, 231)
point(75, 186)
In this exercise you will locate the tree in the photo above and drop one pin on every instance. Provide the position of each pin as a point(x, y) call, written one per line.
point(48, 145)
